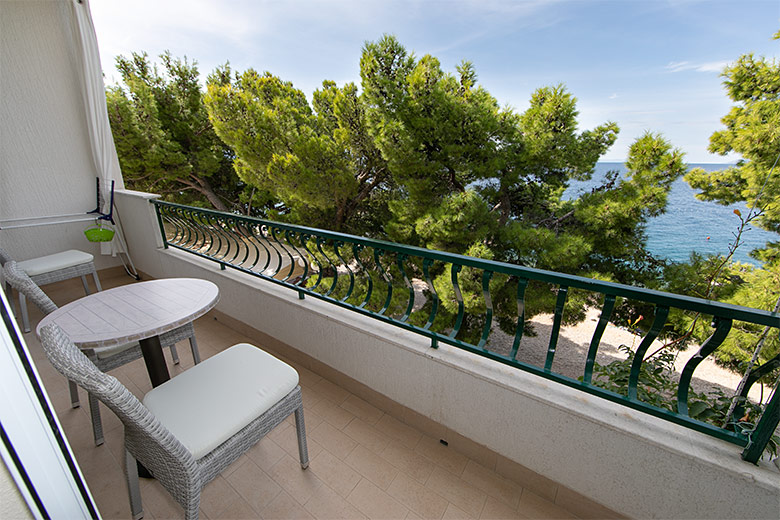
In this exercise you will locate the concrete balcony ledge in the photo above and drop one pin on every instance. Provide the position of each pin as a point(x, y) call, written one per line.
point(594, 456)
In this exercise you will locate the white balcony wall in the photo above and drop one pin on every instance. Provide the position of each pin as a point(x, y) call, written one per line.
point(632, 463)
point(46, 165)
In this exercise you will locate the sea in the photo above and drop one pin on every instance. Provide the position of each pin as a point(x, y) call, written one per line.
point(689, 224)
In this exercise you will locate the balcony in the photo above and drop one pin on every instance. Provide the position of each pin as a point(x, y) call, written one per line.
point(519, 441)
point(398, 428)
point(368, 460)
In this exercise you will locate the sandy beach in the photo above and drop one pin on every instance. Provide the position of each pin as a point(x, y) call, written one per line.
point(574, 342)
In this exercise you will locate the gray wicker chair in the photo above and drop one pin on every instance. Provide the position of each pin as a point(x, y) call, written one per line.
point(241, 393)
point(52, 268)
point(106, 358)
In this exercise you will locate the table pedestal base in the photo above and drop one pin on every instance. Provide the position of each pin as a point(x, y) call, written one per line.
point(158, 374)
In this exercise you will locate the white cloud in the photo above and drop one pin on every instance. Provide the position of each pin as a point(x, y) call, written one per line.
point(613, 96)
point(710, 66)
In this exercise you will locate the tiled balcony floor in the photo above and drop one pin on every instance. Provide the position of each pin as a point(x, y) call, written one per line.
point(364, 462)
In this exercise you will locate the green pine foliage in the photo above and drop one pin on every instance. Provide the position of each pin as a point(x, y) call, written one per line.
point(164, 140)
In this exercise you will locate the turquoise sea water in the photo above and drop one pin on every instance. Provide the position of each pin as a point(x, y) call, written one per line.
point(690, 224)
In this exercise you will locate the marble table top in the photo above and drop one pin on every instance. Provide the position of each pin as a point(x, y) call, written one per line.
point(133, 312)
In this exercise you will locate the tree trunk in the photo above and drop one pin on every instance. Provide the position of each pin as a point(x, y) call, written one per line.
point(204, 187)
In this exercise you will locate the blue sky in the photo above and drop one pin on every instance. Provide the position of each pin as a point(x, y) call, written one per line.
point(645, 64)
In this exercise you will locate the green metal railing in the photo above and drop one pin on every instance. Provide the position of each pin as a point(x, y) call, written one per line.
point(449, 298)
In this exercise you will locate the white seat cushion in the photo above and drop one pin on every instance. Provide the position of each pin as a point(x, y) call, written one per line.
point(209, 403)
point(55, 262)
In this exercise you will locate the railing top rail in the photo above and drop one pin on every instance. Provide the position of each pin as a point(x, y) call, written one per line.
point(661, 298)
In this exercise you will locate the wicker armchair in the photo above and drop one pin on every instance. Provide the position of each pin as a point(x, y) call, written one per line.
point(105, 359)
point(241, 393)
point(52, 268)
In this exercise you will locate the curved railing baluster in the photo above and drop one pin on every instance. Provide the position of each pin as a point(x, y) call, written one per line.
point(486, 276)
point(320, 242)
point(336, 246)
point(661, 313)
point(247, 238)
point(606, 313)
point(399, 260)
point(556, 328)
point(235, 230)
point(386, 277)
point(262, 239)
point(275, 234)
point(454, 270)
point(214, 237)
point(722, 328)
point(356, 249)
point(434, 295)
point(303, 238)
point(273, 241)
point(293, 258)
point(522, 283)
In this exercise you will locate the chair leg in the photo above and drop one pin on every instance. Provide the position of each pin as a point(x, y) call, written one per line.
point(191, 509)
point(174, 355)
point(97, 424)
point(74, 394)
point(85, 284)
point(300, 428)
point(133, 487)
point(194, 348)
point(23, 310)
point(97, 280)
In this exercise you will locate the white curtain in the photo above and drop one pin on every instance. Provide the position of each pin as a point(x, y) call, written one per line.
point(94, 93)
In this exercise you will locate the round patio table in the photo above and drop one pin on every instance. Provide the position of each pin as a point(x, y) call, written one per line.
point(136, 312)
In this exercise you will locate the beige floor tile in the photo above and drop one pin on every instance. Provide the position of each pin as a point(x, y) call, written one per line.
point(408, 461)
point(453, 512)
point(217, 496)
point(311, 419)
point(534, 506)
point(417, 497)
point(330, 391)
point(368, 412)
point(111, 496)
point(372, 466)
point(238, 510)
point(266, 453)
point(326, 504)
point(367, 435)
point(497, 510)
point(492, 483)
point(457, 491)
point(299, 483)
point(332, 413)
point(399, 431)
point(442, 455)
point(335, 473)
point(309, 396)
point(375, 503)
point(285, 507)
point(333, 440)
point(254, 485)
point(157, 501)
